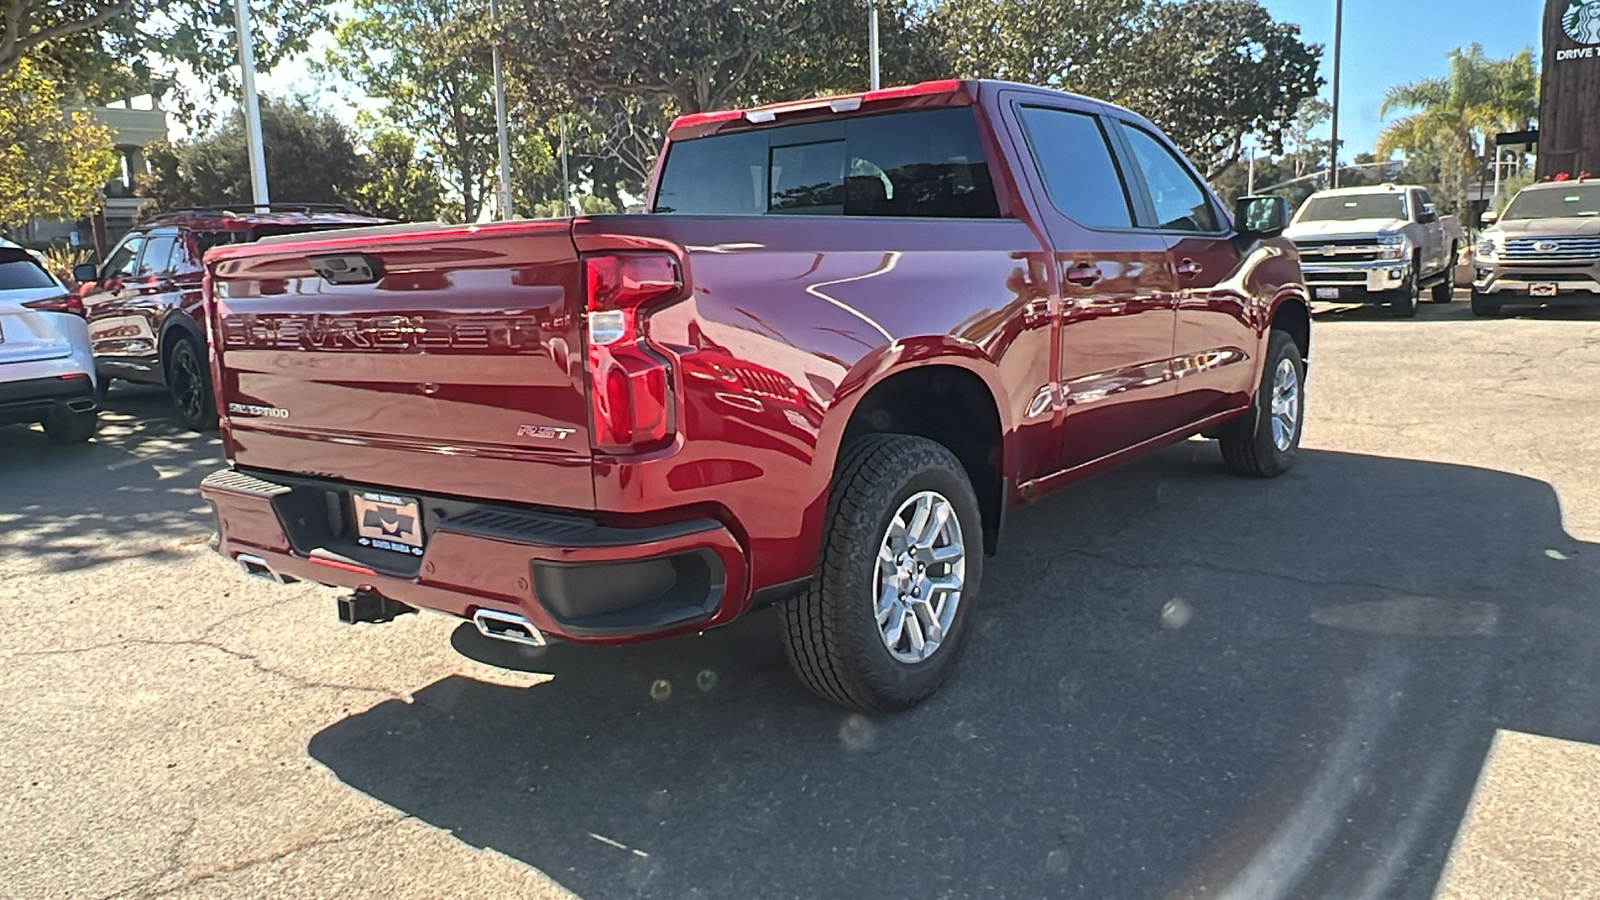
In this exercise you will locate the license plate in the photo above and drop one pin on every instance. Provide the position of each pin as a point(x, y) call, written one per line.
point(1327, 293)
point(388, 522)
point(1543, 290)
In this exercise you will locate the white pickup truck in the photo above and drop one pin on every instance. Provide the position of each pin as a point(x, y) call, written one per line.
point(1380, 245)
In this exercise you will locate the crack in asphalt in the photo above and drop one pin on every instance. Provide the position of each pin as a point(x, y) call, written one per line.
point(338, 836)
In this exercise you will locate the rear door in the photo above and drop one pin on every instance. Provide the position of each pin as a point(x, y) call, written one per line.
point(1434, 248)
point(1214, 334)
point(25, 334)
point(1116, 315)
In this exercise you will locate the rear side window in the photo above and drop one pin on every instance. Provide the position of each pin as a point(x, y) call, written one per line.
point(1075, 161)
point(19, 271)
point(1181, 203)
point(927, 164)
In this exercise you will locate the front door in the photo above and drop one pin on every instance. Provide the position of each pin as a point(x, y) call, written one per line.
point(1114, 366)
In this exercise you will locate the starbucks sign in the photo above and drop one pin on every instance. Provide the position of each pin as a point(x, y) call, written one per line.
point(1581, 21)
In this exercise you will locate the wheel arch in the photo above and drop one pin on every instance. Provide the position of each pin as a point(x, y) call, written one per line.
point(177, 327)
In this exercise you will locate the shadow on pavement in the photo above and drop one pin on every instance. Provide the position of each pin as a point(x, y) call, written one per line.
point(1458, 311)
point(1183, 684)
point(137, 480)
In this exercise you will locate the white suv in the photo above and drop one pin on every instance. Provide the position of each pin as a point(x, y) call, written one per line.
point(46, 369)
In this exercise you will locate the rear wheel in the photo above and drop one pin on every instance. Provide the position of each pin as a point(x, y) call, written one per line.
point(1485, 307)
point(1445, 291)
point(63, 426)
point(883, 622)
point(1266, 441)
point(189, 380)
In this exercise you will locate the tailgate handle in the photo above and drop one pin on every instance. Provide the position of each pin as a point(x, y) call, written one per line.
point(347, 268)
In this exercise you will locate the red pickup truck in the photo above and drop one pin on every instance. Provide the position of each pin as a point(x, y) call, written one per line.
point(848, 335)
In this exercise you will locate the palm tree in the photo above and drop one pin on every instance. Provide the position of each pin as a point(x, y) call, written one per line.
point(1458, 114)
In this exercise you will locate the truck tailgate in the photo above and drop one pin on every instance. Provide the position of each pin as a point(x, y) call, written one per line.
point(441, 359)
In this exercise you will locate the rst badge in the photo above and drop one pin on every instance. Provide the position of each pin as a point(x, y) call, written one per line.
point(545, 432)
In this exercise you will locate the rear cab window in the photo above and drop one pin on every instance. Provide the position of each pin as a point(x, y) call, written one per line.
point(925, 163)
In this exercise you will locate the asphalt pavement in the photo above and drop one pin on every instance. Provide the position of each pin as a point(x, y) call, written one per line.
point(1375, 677)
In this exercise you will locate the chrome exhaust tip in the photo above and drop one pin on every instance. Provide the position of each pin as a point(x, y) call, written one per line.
point(504, 626)
point(256, 566)
point(82, 406)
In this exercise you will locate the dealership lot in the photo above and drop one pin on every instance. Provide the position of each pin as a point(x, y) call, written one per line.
point(1374, 677)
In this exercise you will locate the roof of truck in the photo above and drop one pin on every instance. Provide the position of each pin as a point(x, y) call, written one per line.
point(1370, 189)
point(242, 217)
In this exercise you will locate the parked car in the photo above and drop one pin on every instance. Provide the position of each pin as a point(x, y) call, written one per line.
point(848, 335)
point(1544, 249)
point(143, 302)
point(1377, 245)
point(46, 369)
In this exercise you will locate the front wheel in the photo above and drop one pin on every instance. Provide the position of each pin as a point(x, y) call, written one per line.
point(189, 380)
point(1266, 441)
point(1403, 303)
point(1484, 307)
point(887, 612)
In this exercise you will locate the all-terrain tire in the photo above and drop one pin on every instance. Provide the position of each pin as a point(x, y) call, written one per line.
point(1403, 302)
point(1484, 307)
point(1251, 445)
point(831, 632)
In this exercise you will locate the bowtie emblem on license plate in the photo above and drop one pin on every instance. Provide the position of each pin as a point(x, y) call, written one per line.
point(388, 522)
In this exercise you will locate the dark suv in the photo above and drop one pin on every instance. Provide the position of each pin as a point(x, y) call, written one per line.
point(143, 302)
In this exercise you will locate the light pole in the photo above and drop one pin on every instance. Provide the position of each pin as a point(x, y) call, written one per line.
point(252, 105)
point(502, 133)
point(1338, 52)
point(872, 44)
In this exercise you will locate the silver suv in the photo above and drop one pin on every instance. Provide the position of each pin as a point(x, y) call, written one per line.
point(1545, 248)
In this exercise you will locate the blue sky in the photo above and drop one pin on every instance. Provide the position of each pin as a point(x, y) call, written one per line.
point(1394, 41)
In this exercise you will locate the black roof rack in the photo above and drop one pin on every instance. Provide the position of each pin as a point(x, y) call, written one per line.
point(245, 209)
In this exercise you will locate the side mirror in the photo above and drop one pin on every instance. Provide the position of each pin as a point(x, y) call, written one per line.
point(1261, 217)
point(1429, 214)
point(83, 273)
point(1489, 217)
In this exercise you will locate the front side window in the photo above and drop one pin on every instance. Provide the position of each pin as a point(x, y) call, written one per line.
point(928, 163)
point(123, 262)
point(1181, 203)
point(1075, 161)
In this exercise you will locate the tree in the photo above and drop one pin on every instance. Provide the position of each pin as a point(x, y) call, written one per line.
point(695, 55)
point(101, 46)
point(1213, 72)
point(399, 184)
point(1082, 46)
point(427, 65)
point(311, 158)
point(51, 163)
point(1458, 112)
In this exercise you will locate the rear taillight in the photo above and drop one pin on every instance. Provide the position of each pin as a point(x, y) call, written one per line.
point(630, 392)
point(67, 303)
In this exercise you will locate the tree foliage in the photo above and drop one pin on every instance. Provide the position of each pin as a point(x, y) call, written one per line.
point(399, 184)
point(51, 163)
point(111, 48)
point(1457, 114)
point(426, 64)
point(1081, 46)
point(311, 158)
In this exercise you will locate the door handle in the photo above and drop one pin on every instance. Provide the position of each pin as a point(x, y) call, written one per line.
point(1189, 268)
point(1084, 275)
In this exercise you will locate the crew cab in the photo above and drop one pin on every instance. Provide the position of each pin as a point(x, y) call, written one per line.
point(1377, 245)
point(143, 302)
point(848, 335)
point(1545, 248)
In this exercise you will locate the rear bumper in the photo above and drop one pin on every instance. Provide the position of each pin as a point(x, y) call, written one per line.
point(31, 399)
point(567, 574)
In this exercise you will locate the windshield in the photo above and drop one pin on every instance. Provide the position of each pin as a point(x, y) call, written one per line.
point(1349, 208)
point(1580, 200)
